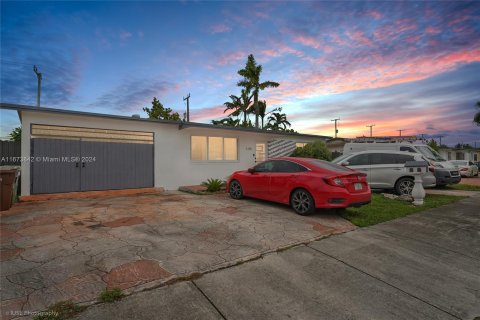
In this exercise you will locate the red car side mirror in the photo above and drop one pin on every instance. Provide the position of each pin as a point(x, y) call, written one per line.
point(251, 170)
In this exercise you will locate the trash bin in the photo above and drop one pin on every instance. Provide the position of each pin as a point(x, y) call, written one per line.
point(8, 178)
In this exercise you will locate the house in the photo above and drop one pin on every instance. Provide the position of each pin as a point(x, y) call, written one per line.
point(68, 151)
point(460, 154)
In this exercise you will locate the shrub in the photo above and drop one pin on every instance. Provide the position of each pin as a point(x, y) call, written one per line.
point(214, 185)
point(111, 295)
point(317, 149)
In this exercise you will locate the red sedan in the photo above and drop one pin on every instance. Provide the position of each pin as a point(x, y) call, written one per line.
point(303, 183)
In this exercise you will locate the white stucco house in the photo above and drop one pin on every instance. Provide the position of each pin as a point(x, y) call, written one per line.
point(71, 151)
point(460, 154)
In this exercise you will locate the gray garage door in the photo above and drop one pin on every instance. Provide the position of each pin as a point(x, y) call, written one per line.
point(67, 159)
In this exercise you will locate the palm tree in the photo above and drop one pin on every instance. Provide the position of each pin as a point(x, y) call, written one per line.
point(476, 117)
point(262, 111)
point(240, 105)
point(251, 79)
point(227, 122)
point(278, 121)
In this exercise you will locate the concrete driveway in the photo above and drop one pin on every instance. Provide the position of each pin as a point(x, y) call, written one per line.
point(424, 266)
point(60, 250)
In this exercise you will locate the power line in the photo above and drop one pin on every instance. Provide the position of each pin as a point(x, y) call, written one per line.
point(371, 131)
point(336, 130)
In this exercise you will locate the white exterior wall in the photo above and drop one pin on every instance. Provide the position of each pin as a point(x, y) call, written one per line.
point(173, 165)
point(470, 155)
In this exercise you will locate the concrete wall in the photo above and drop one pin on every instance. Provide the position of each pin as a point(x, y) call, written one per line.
point(460, 154)
point(173, 166)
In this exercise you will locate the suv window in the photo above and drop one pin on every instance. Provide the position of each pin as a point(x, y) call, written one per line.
point(287, 166)
point(403, 158)
point(408, 149)
point(359, 160)
point(382, 158)
point(266, 166)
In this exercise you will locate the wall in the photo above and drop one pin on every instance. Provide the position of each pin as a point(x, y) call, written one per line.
point(10, 152)
point(173, 167)
point(460, 154)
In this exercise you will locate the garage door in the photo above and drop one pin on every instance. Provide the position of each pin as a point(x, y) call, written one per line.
point(68, 159)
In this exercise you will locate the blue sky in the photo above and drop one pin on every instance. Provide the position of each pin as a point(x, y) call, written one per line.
point(399, 65)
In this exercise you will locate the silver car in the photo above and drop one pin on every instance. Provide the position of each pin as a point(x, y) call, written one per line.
point(466, 168)
point(386, 169)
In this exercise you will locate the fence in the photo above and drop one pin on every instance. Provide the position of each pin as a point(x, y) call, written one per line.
point(10, 153)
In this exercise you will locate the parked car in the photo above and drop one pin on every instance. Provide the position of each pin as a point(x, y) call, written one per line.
point(303, 183)
point(445, 172)
point(386, 169)
point(466, 168)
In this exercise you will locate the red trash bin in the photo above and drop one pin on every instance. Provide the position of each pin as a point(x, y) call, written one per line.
point(7, 180)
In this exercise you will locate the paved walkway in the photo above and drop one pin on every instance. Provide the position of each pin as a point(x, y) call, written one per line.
point(58, 250)
point(424, 266)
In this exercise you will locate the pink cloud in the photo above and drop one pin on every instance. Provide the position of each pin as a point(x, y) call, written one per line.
point(374, 14)
point(359, 37)
point(207, 114)
point(308, 41)
point(279, 49)
point(432, 30)
point(219, 28)
point(231, 57)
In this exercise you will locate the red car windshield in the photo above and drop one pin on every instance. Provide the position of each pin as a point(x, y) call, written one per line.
point(328, 166)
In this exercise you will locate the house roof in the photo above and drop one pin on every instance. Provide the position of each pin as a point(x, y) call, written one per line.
point(181, 125)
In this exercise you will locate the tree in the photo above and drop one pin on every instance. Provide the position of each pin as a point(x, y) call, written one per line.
point(317, 149)
point(240, 105)
point(228, 122)
point(278, 121)
point(16, 134)
point(434, 145)
point(158, 111)
point(476, 117)
point(251, 79)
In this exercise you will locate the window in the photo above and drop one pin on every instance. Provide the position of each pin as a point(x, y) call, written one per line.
point(199, 148)
point(300, 144)
point(408, 149)
point(287, 166)
point(402, 158)
point(329, 166)
point(382, 158)
point(264, 167)
point(213, 148)
point(359, 160)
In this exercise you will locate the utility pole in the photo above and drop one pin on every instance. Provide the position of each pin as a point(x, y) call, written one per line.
point(336, 131)
point(401, 131)
point(370, 126)
point(39, 78)
point(422, 134)
point(188, 106)
point(440, 137)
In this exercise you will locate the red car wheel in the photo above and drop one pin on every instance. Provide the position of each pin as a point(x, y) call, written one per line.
point(302, 202)
point(235, 190)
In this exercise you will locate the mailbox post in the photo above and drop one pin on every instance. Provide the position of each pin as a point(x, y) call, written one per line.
point(417, 169)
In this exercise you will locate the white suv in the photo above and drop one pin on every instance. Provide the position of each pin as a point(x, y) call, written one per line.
point(386, 169)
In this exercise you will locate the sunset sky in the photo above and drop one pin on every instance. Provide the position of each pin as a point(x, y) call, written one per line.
point(398, 65)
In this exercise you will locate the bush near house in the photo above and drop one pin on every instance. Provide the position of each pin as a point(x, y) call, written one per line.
point(214, 185)
point(317, 149)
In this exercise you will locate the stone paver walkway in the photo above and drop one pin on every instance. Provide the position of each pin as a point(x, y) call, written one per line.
point(60, 250)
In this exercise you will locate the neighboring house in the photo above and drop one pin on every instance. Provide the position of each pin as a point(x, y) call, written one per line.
point(79, 151)
point(336, 145)
point(460, 154)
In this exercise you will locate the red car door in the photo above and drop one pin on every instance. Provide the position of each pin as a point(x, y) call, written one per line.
point(257, 183)
point(283, 179)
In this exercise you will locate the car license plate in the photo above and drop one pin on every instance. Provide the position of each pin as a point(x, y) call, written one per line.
point(358, 186)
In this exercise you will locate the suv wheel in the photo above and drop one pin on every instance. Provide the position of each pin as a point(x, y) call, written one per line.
point(404, 186)
point(302, 202)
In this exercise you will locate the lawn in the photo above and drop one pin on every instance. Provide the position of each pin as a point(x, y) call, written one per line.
point(382, 209)
point(464, 187)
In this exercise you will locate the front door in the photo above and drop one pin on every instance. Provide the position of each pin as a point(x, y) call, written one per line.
point(260, 152)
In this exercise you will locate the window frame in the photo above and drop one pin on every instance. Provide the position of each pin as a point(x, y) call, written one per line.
point(208, 149)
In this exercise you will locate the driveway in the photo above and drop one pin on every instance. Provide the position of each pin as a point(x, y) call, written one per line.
point(424, 266)
point(72, 249)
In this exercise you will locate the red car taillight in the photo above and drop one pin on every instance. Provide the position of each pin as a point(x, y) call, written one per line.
point(431, 168)
point(344, 180)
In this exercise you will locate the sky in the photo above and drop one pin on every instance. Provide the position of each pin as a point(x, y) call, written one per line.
point(411, 66)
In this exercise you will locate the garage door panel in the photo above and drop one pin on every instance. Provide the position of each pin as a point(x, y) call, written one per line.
point(52, 168)
point(125, 161)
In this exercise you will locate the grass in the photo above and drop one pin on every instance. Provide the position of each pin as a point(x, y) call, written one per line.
point(111, 295)
point(382, 209)
point(464, 187)
point(60, 311)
